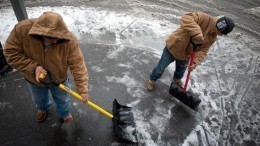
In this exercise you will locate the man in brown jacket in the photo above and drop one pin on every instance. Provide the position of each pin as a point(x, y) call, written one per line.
point(199, 27)
point(45, 44)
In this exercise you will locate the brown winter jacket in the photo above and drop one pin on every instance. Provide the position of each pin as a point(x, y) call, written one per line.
point(24, 50)
point(192, 24)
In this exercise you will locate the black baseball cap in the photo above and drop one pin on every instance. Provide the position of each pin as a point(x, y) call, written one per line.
point(225, 25)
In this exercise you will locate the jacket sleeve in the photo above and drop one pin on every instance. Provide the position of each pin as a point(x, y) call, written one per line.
point(202, 52)
point(78, 68)
point(189, 22)
point(14, 52)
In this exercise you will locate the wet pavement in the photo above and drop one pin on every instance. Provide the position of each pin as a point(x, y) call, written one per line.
point(89, 127)
point(228, 83)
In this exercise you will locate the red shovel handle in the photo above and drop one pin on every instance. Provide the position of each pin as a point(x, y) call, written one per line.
point(195, 47)
point(188, 75)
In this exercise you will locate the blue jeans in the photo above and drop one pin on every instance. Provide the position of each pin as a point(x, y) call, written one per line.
point(41, 97)
point(165, 60)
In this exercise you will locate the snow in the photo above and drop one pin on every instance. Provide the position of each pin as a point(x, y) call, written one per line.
point(128, 29)
point(133, 87)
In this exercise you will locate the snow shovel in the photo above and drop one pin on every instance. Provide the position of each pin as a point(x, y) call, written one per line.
point(188, 98)
point(123, 120)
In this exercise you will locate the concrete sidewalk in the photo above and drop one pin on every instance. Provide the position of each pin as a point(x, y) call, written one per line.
point(227, 80)
point(115, 73)
point(17, 112)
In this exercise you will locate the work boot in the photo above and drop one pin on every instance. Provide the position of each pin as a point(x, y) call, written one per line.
point(68, 119)
point(41, 116)
point(177, 81)
point(150, 85)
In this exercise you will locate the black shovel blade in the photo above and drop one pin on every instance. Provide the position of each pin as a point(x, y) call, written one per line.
point(123, 123)
point(188, 98)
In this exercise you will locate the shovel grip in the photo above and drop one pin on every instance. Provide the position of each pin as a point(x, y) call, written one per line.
point(76, 95)
point(50, 79)
point(42, 76)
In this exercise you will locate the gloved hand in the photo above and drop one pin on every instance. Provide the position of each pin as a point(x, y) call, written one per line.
point(39, 70)
point(192, 67)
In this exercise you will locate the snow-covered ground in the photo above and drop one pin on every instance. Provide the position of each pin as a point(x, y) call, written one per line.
point(227, 81)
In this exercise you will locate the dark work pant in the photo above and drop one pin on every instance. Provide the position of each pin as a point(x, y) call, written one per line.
point(166, 59)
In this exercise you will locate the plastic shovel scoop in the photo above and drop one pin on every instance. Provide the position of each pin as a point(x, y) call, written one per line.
point(124, 124)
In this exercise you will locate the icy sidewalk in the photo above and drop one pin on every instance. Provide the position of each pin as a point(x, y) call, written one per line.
point(120, 51)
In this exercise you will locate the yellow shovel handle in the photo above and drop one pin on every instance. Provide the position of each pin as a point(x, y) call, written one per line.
point(42, 76)
point(93, 105)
